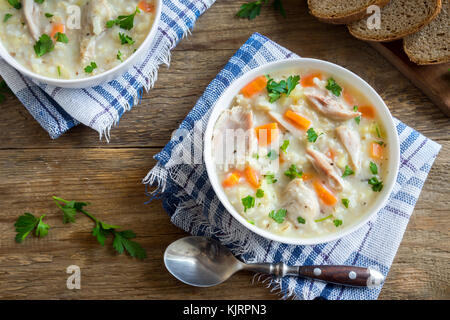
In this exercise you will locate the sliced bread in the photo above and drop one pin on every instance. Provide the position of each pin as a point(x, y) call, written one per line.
point(342, 11)
point(398, 19)
point(431, 44)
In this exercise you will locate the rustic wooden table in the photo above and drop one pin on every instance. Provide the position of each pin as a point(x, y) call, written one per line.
point(79, 166)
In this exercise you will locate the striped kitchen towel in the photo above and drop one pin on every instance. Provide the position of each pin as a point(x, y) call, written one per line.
point(57, 110)
point(192, 205)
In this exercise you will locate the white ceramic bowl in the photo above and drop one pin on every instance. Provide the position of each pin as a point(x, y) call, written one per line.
point(340, 73)
point(97, 79)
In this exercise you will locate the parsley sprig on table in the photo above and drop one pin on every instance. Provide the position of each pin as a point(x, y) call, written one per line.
point(25, 225)
point(122, 239)
point(252, 9)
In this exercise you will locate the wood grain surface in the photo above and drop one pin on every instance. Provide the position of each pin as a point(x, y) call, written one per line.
point(79, 166)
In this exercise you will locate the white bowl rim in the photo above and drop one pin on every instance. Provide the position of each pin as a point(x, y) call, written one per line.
point(376, 101)
point(80, 82)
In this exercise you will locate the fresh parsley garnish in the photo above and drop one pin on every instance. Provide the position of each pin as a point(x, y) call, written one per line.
point(377, 185)
point(312, 135)
point(285, 145)
point(124, 22)
point(15, 3)
point(7, 17)
point(301, 220)
point(333, 87)
point(248, 202)
point(119, 56)
point(61, 37)
point(373, 168)
point(345, 202)
point(337, 222)
point(48, 15)
point(276, 89)
point(252, 9)
point(323, 219)
point(126, 39)
point(278, 215)
point(122, 239)
point(251, 222)
point(59, 70)
point(293, 172)
point(260, 193)
point(44, 45)
point(26, 223)
point(358, 118)
point(90, 68)
point(270, 177)
point(272, 155)
point(347, 172)
point(39, 1)
point(378, 131)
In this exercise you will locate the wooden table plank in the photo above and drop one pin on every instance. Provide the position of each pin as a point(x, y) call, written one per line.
point(78, 166)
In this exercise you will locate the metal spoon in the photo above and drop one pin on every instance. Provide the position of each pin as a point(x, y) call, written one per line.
point(204, 262)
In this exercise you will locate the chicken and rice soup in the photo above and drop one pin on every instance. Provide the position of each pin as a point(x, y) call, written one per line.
point(73, 39)
point(300, 153)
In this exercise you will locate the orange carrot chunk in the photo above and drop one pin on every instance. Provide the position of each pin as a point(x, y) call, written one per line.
point(376, 151)
point(308, 80)
point(349, 98)
point(306, 176)
point(146, 6)
point(367, 112)
point(232, 179)
point(298, 120)
point(252, 177)
point(254, 87)
point(267, 133)
point(57, 27)
point(324, 194)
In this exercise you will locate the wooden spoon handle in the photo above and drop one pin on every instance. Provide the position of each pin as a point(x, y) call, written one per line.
point(344, 275)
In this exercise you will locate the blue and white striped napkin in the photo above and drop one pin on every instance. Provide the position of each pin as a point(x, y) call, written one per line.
point(192, 205)
point(57, 110)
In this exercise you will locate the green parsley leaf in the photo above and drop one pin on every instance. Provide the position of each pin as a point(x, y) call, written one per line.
point(260, 193)
point(250, 10)
point(301, 220)
point(378, 131)
point(377, 185)
point(39, 1)
point(124, 22)
point(251, 222)
point(125, 39)
point(270, 178)
point(373, 168)
point(272, 155)
point(293, 172)
point(278, 215)
point(333, 87)
point(61, 37)
point(276, 89)
point(347, 172)
point(285, 145)
point(48, 15)
point(15, 3)
point(59, 70)
point(7, 17)
point(90, 68)
point(122, 241)
point(345, 202)
point(337, 222)
point(26, 223)
point(358, 118)
point(278, 5)
point(69, 209)
point(43, 45)
point(119, 56)
point(248, 202)
point(312, 135)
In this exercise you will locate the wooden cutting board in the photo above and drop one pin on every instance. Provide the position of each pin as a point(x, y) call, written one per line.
point(433, 80)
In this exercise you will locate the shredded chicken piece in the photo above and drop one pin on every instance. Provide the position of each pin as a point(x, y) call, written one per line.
point(300, 201)
point(31, 13)
point(351, 141)
point(328, 105)
point(326, 167)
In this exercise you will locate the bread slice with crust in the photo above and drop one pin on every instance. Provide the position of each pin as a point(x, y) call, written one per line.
point(342, 11)
point(398, 19)
point(431, 45)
